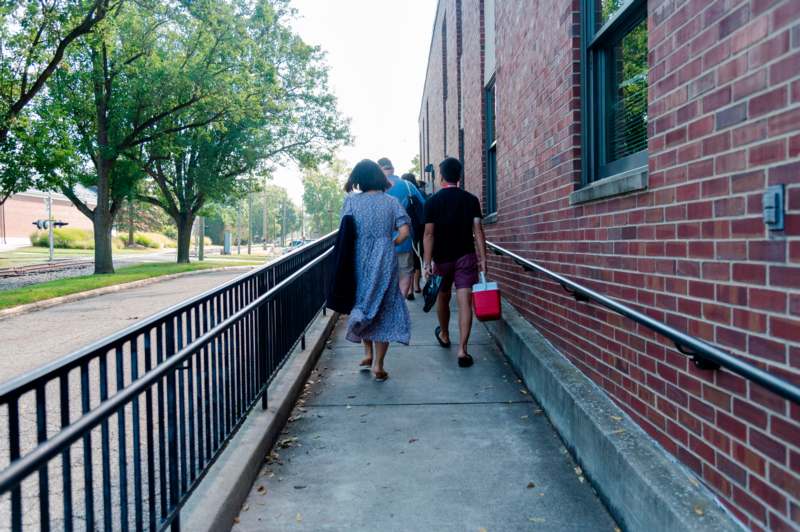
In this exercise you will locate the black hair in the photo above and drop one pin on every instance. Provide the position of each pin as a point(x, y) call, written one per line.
point(366, 176)
point(451, 170)
point(411, 178)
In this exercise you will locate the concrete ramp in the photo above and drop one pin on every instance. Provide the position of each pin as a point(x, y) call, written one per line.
point(436, 447)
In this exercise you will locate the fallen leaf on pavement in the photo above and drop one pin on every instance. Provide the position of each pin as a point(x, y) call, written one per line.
point(287, 442)
point(616, 418)
point(236, 520)
point(536, 519)
point(699, 510)
point(261, 490)
point(531, 485)
point(578, 470)
point(298, 518)
point(412, 440)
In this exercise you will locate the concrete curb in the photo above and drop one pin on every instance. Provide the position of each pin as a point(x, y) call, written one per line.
point(642, 485)
point(52, 302)
point(219, 497)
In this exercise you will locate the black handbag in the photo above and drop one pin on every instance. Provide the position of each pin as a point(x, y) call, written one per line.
point(431, 291)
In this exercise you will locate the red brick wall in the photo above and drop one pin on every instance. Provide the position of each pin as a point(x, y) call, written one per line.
point(22, 210)
point(691, 250)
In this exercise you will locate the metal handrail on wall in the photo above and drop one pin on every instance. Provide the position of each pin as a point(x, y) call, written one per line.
point(185, 379)
point(704, 355)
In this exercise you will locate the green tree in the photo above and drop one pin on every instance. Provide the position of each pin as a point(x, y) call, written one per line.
point(415, 167)
point(34, 37)
point(323, 196)
point(277, 203)
point(278, 109)
point(146, 72)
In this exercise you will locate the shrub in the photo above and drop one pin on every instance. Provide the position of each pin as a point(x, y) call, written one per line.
point(153, 240)
point(170, 231)
point(65, 237)
point(71, 238)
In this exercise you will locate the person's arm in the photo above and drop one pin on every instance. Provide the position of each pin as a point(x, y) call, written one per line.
point(480, 243)
point(402, 234)
point(427, 255)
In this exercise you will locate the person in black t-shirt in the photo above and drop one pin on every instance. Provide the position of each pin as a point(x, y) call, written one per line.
point(452, 229)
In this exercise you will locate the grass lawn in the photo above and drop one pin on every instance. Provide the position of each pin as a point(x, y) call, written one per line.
point(73, 285)
point(38, 255)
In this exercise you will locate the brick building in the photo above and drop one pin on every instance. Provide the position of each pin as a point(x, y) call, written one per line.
point(628, 145)
point(20, 211)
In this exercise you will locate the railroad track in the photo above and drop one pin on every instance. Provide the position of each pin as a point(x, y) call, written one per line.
point(20, 271)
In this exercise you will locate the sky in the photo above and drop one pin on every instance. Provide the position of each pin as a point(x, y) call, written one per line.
point(377, 51)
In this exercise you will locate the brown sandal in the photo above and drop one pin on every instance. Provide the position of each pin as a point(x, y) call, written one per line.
point(381, 376)
point(365, 363)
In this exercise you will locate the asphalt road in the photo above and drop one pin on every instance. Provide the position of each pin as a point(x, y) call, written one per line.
point(31, 340)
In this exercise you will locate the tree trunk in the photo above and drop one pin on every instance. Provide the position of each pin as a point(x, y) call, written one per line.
point(184, 223)
point(103, 250)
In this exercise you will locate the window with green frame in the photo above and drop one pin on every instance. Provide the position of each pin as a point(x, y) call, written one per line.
point(614, 88)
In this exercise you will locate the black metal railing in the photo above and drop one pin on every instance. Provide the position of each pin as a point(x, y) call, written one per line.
point(704, 355)
point(117, 435)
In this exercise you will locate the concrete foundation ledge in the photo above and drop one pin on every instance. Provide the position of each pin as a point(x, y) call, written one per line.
point(642, 485)
point(220, 495)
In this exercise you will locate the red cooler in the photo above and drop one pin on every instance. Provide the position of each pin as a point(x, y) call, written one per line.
point(486, 300)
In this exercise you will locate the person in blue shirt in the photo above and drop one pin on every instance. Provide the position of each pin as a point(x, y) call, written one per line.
point(402, 191)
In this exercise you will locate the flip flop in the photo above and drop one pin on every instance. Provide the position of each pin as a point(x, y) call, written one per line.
point(381, 376)
point(465, 361)
point(436, 332)
point(365, 364)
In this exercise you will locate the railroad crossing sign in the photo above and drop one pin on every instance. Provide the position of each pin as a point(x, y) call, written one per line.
point(45, 224)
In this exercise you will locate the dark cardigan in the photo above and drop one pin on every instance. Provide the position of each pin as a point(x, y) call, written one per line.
point(342, 287)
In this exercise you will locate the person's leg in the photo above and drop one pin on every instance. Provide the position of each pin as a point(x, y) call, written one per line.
point(368, 357)
point(417, 275)
point(405, 270)
point(380, 354)
point(405, 284)
point(465, 276)
point(443, 313)
point(464, 300)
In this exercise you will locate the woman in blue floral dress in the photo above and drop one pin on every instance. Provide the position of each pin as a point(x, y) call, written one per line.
point(380, 314)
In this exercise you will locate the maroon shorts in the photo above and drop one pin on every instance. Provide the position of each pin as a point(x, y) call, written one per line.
point(464, 272)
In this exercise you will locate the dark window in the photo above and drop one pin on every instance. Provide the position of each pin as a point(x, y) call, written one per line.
point(490, 187)
point(614, 87)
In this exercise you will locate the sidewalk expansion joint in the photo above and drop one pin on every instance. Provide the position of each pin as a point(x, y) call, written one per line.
point(450, 403)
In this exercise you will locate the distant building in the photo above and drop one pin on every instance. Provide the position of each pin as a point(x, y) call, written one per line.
point(20, 211)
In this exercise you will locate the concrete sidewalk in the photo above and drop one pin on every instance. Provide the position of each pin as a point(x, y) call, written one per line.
point(435, 447)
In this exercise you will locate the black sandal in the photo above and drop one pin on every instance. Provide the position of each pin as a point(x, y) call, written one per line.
point(442, 343)
point(465, 361)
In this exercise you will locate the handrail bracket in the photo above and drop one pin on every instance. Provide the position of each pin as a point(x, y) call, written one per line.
point(700, 362)
point(574, 293)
